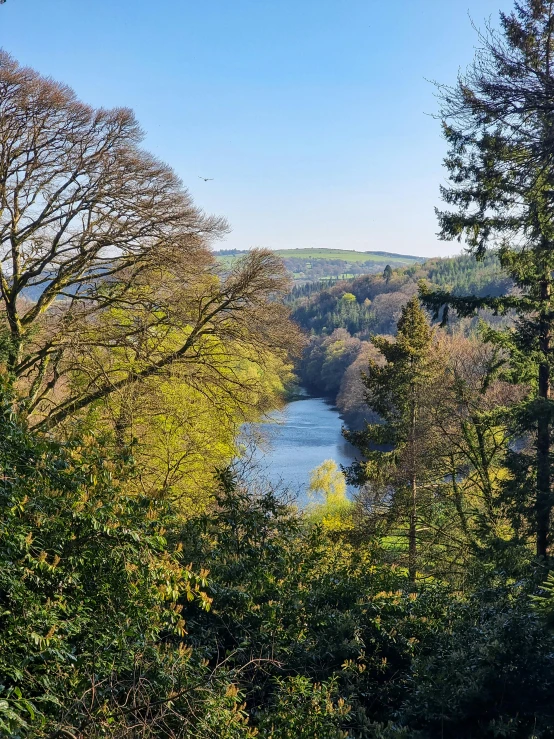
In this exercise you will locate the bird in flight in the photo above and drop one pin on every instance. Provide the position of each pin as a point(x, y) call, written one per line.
point(206, 179)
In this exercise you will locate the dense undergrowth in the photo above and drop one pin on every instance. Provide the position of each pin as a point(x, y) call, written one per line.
point(146, 590)
point(119, 620)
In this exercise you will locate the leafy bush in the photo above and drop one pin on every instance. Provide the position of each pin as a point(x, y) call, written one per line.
point(91, 635)
point(489, 673)
point(292, 601)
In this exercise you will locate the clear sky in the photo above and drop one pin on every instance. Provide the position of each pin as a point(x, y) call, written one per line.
point(312, 116)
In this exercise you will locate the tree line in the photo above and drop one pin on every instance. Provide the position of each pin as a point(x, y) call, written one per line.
point(342, 318)
point(148, 586)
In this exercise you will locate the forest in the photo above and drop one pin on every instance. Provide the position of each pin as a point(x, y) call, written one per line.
point(149, 585)
point(342, 317)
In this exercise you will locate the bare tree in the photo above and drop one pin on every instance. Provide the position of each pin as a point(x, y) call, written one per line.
point(91, 224)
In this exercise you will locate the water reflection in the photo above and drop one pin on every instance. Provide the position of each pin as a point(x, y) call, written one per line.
point(301, 437)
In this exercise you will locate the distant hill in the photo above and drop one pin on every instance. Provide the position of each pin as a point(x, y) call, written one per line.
point(349, 255)
point(308, 265)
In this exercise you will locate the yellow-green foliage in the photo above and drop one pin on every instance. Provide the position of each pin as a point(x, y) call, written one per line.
point(333, 510)
point(184, 433)
point(183, 423)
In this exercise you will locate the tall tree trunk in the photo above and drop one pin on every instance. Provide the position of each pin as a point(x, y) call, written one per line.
point(16, 335)
point(412, 532)
point(543, 502)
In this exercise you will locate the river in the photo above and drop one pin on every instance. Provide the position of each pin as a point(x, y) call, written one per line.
point(300, 437)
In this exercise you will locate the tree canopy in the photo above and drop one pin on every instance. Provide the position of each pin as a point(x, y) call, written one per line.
point(106, 278)
point(498, 124)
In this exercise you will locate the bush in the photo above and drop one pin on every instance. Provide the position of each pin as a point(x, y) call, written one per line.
point(91, 635)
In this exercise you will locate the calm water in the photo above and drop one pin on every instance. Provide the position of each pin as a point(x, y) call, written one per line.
point(305, 433)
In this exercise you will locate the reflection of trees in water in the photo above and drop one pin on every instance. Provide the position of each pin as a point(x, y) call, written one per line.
point(301, 437)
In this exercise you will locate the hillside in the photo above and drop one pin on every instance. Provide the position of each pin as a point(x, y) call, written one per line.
point(370, 304)
point(341, 318)
point(309, 265)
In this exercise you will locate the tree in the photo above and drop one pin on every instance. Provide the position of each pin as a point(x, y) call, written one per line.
point(499, 124)
point(387, 273)
point(397, 447)
point(328, 480)
point(106, 278)
point(471, 414)
point(92, 640)
point(334, 509)
point(180, 428)
point(199, 328)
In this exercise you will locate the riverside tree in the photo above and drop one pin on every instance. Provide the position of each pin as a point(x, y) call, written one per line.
point(499, 124)
point(106, 278)
point(397, 448)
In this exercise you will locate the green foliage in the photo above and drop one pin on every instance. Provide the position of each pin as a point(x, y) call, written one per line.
point(321, 640)
point(290, 600)
point(328, 480)
point(319, 307)
point(121, 617)
point(295, 632)
point(333, 510)
point(396, 449)
point(90, 628)
point(305, 710)
point(490, 673)
point(499, 197)
point(322, 311)
point(393, 387)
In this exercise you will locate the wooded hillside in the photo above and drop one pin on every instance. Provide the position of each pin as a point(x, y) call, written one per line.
point(152, 585)
point(341, 318)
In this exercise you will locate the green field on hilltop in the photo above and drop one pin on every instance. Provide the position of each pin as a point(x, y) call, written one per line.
point(347, 255)
point(310, 265)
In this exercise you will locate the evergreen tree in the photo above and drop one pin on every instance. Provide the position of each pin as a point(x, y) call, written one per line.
point(499, 123)
point(397, 448)
point(387, 273)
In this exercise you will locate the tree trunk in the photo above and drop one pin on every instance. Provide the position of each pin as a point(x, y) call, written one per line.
point(412, 533)
point(16, 335)
point(543, 501)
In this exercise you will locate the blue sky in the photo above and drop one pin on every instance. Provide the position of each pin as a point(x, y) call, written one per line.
point(312, 116)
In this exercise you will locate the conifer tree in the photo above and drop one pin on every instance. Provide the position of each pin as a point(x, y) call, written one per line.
point(397, 448)
point(499, 123)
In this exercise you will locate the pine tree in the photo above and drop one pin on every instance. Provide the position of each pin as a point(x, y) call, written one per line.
point(499, 123)
point(387, 273)
point(396, 449)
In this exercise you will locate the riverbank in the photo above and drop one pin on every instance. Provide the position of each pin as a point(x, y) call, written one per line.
point(301, 436)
